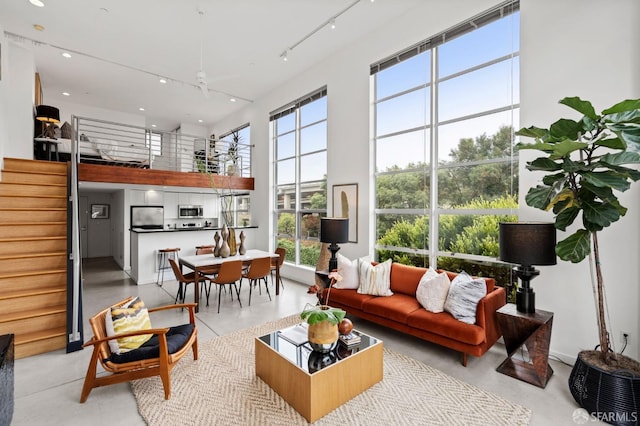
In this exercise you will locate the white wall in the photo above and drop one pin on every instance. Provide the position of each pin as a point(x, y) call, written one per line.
point(68, 108)
point(588, 49)
point(559, 44)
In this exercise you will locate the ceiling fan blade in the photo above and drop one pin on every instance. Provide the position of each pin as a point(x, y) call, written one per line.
point(204, 89)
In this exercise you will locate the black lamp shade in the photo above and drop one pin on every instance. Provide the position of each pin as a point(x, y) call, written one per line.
point(528, 243)
point(334, 230)
point(47, 114)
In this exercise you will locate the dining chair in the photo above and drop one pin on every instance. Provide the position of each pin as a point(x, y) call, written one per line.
point(259, 270)
point(229, 273)
point(183, 280)
point(277, 263)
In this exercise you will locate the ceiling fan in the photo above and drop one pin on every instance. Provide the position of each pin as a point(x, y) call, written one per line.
point(201, 76)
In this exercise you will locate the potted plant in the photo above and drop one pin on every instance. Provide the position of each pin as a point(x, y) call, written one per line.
point(585, 163)
point(232, 153)
point(323, 322)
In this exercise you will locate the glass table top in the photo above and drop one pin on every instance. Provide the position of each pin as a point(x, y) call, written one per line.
point(291, 343)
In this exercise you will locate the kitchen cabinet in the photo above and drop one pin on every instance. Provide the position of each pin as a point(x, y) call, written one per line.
point(170, 205)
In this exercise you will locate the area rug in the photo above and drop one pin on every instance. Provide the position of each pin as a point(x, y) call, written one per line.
point(221, 388)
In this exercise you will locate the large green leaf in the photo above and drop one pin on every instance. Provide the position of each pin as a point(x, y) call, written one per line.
point(597, 215)
point(566, 147)
point(565, 128)
point(609, 178)
point(566, 218)
point(613, 143)
point(632, 174)
point(581, 106)
point(604, 193)
point(574, 166)
point(540, 146)
point(545, 164)
point(553, 179)
point(621, 158)
point(532, 132)
point(631, 136)
point(626, 105)
point(575, 247)
point(540, 196)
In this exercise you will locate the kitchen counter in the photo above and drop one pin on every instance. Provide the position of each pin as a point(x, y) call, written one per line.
point(187, 228)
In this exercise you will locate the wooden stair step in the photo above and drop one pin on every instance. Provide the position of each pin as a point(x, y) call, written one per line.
point(33, 313)
point(59, 179)
point(37, 215)
point(15, 293)
point(18, 245)
point(46, 341)
point(23, 165)
point(52, 229)
point(19, 201)
point(13, 189)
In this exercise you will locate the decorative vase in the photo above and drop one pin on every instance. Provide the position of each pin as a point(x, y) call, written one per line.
point(216, 247)
point(233, 244)
point(224, 248)
point(242, 249)
point(611, 396)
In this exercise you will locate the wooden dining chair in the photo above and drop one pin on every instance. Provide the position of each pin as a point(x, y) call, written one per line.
point(277, 263)
point(183, 280)
point(229, 273)
point(156, 357)
point(259, 270)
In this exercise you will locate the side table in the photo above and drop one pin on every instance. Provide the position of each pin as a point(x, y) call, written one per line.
point(49, 148)
point(531, 331)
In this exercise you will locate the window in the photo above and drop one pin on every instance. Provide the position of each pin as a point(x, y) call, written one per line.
point(445, 164)
point(299, 136)
point(153, 140)
point(234, 152)
point(236, 208)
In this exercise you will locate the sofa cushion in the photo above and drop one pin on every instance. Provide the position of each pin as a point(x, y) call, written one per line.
point(374, 280)
point(464, 294)
point(348, 269)
point(490, 282)
point(445, 325)
point(397, 307)
point(433, 290)
point(348, 298)
point(405, 278)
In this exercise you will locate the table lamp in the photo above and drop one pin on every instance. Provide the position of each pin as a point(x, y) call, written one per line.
point(50, 116)
point(334, 230)
point(527, 244)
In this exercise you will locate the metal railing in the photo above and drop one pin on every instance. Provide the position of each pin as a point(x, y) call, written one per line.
point(110, 143)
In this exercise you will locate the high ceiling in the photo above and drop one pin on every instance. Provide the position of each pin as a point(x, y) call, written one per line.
point(121, 48)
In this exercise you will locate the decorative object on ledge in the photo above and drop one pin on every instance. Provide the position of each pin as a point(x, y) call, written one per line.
point(242, 249)
point(233, 243)
point(224, 248)
point(527, 244)
point(334, 230)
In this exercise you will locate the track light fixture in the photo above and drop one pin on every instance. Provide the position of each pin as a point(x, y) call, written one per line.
point(331, 22)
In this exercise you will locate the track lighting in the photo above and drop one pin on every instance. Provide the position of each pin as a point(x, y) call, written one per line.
point(333, 24)
point(284, 56)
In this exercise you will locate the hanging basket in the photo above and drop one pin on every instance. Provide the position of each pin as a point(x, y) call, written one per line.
point(610, 396)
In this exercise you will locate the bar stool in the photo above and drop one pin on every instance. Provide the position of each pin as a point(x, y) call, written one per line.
point(165, 255)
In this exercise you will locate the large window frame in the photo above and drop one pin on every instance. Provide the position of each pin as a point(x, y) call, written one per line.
point(421, 129)
point(300, 173)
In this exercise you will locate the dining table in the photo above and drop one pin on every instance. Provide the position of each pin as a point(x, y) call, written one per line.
point(208, 264)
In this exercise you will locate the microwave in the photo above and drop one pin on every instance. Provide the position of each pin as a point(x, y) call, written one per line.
point(190, 212)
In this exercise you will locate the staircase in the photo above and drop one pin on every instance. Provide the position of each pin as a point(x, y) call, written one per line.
point(33, 255)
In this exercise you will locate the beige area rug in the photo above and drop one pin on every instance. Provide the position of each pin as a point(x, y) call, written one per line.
point(221, 388)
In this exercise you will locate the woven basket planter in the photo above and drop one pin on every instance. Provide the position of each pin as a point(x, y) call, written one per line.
point(612, 397)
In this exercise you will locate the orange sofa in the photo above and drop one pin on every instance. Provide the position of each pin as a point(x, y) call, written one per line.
point(402, 312)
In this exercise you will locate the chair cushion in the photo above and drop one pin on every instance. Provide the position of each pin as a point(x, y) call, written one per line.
point(132, 316)
point(176, 338)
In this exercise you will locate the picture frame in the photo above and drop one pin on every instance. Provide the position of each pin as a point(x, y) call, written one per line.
point(99, 211)
point(345, 202)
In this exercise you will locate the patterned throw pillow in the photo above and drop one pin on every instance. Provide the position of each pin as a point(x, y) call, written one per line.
point(374, 280)
point(433, 290)
point(129, 317)
point(464, 294)
point(348, 269)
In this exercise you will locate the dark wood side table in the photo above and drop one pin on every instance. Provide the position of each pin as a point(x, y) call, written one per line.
point(531, 331)
point(46, 149)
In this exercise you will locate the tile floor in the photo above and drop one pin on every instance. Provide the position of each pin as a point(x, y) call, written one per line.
point(47, 386)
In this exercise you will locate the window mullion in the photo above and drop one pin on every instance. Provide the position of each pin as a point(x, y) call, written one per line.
point(433, 163)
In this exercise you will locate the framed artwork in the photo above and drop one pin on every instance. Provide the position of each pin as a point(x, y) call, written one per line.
point(99, 211)
point(345, 204)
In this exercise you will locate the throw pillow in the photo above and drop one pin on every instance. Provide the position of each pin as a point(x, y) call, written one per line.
point(348, 269)
point(122, 319)
point(374, 280)
point(464, 294)
point(433, 290)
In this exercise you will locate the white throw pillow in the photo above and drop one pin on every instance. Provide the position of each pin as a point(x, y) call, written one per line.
point(374, 280)
point(348, 269)
point(464, 294)
point(433, 290)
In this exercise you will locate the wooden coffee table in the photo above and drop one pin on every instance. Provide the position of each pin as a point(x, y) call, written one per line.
point(315, 384)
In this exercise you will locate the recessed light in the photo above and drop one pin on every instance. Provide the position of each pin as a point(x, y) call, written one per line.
point(163, 81)
point(37, 3)
point(38, 27)
point(66, 93)
point(141, 109)
point(232, 100)
point(199, 121)
point(153, 125)
point(66, 54)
